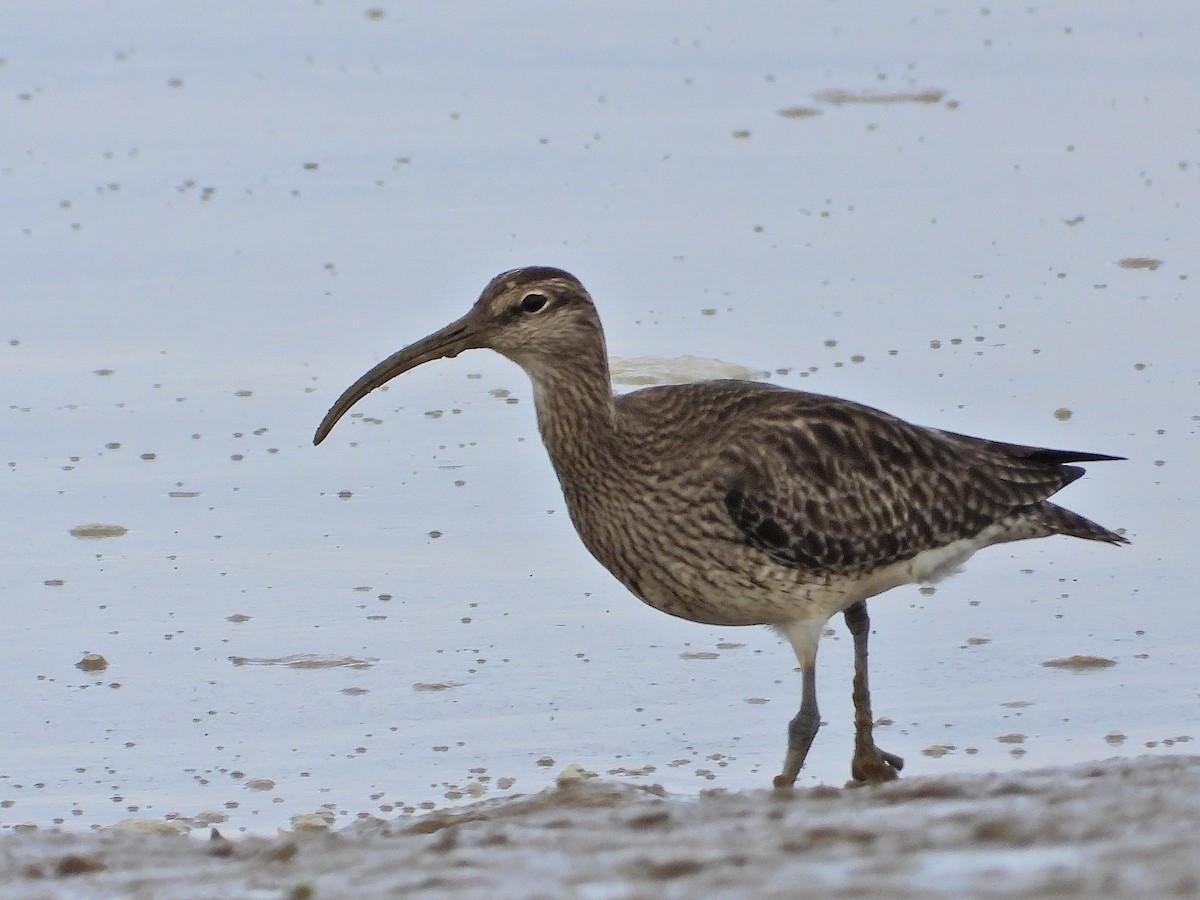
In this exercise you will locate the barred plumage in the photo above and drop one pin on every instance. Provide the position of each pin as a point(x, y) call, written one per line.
point(741, 503)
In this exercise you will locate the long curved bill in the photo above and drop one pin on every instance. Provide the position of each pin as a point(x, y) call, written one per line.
point(448, 342)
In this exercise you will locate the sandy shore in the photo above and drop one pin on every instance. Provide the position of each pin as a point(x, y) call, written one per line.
point(1120, 828)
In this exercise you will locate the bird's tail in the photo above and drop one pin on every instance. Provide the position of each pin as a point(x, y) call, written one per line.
point(1062, 521)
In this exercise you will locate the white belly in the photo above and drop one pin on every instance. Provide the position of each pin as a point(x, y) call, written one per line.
point(926, 567)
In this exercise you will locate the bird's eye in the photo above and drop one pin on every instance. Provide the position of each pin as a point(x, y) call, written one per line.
point(532, 303)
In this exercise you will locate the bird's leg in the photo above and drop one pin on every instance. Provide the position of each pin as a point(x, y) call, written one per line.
point(870, 764)
point(804, 635)
point(803, 728)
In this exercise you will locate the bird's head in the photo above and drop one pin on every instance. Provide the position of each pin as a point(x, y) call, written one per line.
point(539, 317)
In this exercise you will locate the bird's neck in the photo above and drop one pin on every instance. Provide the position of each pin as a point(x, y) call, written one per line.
point(575, 409)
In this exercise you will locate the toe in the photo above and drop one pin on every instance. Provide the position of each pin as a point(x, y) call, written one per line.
point(874, 766)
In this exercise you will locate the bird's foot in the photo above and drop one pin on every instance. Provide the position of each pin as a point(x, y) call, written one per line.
point(792, 764)
point(874, 766)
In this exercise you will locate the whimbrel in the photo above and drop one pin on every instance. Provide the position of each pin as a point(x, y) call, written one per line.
point(742, 503)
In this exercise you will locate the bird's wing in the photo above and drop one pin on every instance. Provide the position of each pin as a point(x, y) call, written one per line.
point(833, 485)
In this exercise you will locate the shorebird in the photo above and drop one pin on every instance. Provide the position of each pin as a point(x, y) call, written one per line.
point(743, 503)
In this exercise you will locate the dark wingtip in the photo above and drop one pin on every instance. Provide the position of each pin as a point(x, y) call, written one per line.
point(1059, 457)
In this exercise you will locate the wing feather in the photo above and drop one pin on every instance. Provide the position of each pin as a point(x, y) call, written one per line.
point(835, 487)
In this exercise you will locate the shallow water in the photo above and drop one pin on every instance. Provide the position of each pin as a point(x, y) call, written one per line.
point(1125, 828)
point(214, 224)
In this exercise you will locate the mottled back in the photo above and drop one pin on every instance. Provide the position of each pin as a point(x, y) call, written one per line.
point(837, 488)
